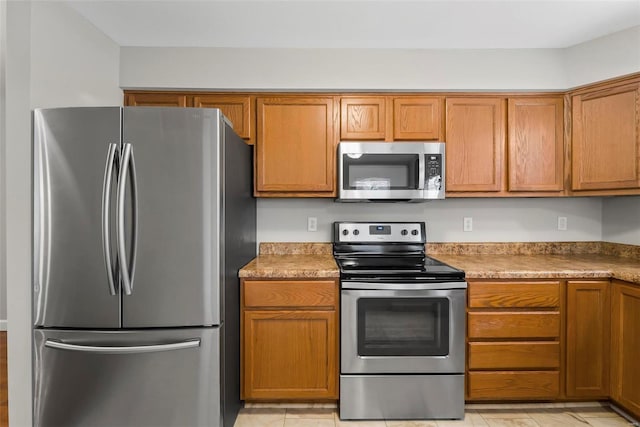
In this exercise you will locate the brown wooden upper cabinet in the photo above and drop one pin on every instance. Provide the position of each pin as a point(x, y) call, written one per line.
point(475, 129)
point(156, 99)
point(536, 144)
point(237, 108)
point(606, 140)
point(391, 118)
point(363, 117)
point(296, 146)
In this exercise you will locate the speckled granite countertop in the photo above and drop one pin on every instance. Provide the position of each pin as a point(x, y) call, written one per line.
point(497, 266)
point(303, 266)
point(556, 260)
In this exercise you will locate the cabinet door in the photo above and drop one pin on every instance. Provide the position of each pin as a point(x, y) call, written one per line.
point(363, 117)
point(475, 144)
point(237, 108)
point(290, 355)
point(588, 316)
point(625, 346)
point(536, 144)
point(606, 139)
point(152, 99)
point(417, 118)
point(295, 148)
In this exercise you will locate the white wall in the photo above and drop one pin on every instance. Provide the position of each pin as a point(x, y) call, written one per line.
point(610, 56)
point(72, 63)
point(3, 65)
point(17, 247)
point(348, 69)
point(494, 220)
point(621, 220)
point(54, 58)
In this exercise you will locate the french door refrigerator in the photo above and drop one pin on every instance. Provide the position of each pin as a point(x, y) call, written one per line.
point(142, 218)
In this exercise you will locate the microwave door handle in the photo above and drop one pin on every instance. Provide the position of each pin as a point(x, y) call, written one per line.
point(421, 172)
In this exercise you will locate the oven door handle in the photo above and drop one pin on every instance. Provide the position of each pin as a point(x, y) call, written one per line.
point(400, 286)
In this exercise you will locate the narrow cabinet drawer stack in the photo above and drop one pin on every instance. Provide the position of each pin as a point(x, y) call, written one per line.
point(514, 340)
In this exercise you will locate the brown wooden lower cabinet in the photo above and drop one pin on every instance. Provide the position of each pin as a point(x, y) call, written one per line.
point(625, 346)
point(514, 340)
point(289, 340)
point(554, 340)
point(514, 355)
point(514, 324)
point(588, 331)
point(289, 354)
point(521, 385)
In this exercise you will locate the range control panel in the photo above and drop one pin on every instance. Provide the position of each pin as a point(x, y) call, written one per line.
point(387, 232)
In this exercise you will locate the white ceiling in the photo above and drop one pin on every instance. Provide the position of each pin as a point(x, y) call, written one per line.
point(425, 24)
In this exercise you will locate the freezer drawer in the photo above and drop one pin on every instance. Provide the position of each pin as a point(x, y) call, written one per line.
point(127, 378)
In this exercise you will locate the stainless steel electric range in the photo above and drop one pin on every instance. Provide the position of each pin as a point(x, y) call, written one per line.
point(402, 324)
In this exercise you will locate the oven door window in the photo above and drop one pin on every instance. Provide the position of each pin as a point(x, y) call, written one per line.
point(381, 172)
point(403, 327)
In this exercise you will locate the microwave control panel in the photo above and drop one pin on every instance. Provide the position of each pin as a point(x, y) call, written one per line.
point(433, 173)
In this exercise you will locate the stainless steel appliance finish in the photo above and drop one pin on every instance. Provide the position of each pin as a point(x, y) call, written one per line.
point(142, 218)
point(401, 397)
point(391, 171)
point(402, 325)
point(128, 377)
point(452, 362)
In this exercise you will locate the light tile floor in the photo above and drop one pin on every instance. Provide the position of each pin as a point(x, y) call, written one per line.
point(590, 414)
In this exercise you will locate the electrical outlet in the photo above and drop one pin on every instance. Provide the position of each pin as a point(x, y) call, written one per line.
point(312, 223)
point(467, 223)
point(562, 223)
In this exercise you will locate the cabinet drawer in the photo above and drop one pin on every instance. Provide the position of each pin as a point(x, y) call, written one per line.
point(512, 295)
point(524, 324)
point(294, 293)
point(514, 355)
point(514, 385)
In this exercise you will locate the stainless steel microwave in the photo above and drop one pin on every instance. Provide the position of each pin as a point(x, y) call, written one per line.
point(391, 171)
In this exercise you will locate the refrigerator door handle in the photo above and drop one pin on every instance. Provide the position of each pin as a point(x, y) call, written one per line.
point(106, 209)
point(192, 343)
point(127, 170)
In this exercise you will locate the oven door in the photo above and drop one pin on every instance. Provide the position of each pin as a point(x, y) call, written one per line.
point(403, 331)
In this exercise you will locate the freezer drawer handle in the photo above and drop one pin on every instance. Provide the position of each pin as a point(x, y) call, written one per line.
point(121, 349)
point(106, 208)
point(127, 170)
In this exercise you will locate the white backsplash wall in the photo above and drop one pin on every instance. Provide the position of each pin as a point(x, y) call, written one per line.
point(621, 220)
point(494, 220)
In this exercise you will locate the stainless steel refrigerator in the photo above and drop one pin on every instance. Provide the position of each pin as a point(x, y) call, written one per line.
point(142, 218)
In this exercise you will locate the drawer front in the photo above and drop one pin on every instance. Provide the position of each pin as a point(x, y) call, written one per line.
point(525, 324)
point(514, 385)
point(290, 293)
point(512, 295)
point(514, 355)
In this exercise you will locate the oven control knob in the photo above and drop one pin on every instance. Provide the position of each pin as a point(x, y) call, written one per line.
point(356, 232)
point(404, 232)
point(345, 232)
point(414, 232)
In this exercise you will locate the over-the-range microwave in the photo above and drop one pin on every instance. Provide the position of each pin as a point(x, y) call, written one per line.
point(391, 171)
